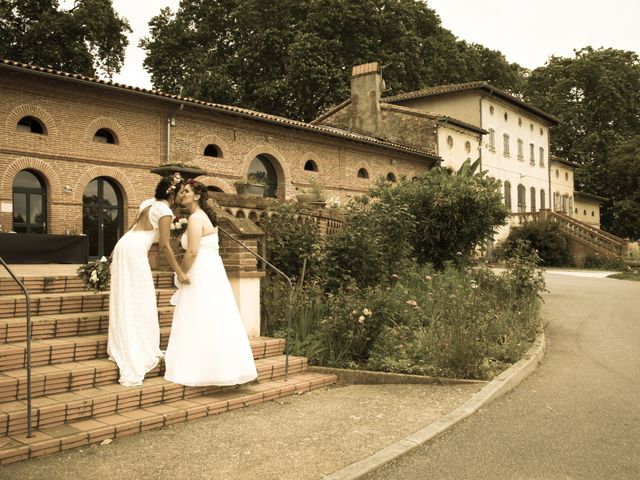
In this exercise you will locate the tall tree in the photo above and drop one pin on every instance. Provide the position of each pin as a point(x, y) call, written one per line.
point(90, 38)
point(624, 184)
point(596, 96)
point(294, 57)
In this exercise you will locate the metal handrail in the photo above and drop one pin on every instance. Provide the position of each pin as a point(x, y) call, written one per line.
point(28, 360)
point(282, 274)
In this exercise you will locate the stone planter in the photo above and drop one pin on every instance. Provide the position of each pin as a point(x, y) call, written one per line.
point(185, 172)
point(253, 189)
point(312, 199)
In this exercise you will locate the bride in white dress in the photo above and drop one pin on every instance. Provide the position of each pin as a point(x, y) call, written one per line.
point(208, 343)
point(134, 331)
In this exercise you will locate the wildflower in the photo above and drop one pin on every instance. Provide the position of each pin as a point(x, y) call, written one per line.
point(103, 259)
point(94, 276)
point(413, 303)
point(394, 276)
point(361, 319)
point(355, 312)
point(459, 253)
point(367, 312)
point(474, 285)
point(428, 278)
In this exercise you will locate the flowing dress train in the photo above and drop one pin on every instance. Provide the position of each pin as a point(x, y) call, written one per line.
point(208, 343)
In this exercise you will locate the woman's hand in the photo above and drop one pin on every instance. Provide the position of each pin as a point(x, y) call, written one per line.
point(183, 278)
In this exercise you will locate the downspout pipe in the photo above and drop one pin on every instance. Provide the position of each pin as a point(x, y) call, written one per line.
point(171, 122)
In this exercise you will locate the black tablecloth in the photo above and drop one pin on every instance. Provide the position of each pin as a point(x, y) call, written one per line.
point(43, 248)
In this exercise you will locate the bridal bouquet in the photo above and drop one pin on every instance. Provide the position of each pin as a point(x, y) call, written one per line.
point(178, 226)
point(95, 275)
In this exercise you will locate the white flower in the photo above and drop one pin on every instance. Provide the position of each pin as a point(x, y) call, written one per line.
point(361, 319)
point(183, 221)
point(413, 303)
point(367, 312)
point(94, 277)
point(428, 278)
point(173, 226)
point(103, 259)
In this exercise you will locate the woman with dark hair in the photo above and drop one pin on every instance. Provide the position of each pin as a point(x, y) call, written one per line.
point(134, 331)
point(208, 343)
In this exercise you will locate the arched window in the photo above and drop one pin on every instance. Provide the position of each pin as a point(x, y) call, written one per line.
point(262, 167)
point(29, 203)
point(542, 200)
point(522, 198)
point(556, 202)
point(212, 150)
point(31, 125)
point(104, 135)
point(311, 166)
point(362, 173)
point(533, 199)
point(391, 177)
point(492, 139)
point(507, 195)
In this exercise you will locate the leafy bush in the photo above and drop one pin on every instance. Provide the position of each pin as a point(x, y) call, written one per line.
point(454, 212)
point(293, 240)
point(603, 262)
point(545, 237)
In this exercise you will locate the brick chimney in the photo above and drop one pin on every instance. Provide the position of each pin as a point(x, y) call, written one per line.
point(366, 82)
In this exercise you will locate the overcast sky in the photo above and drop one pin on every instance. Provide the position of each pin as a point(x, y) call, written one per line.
point(526, 32)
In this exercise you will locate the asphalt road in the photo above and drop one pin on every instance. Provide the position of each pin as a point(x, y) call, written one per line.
point(576, 417)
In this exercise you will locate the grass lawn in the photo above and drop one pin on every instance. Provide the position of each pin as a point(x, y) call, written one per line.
point(635, 275)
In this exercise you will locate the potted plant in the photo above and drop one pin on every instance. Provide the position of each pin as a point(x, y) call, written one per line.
point(254, 185)
point(314, 194)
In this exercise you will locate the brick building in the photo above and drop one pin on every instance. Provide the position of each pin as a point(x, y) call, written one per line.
point(76, 152)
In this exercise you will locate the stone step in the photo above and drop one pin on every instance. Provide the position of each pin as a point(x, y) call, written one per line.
point(113, 398)
point(65, 325)
point(64, 284)
point(66, 377)
point(52, 351)
point(12, 306)
point(82, 432)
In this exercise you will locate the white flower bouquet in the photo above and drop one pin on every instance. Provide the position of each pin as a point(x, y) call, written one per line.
point(95, 275)
point(178, 226)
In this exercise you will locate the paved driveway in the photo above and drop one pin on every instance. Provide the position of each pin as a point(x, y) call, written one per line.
point(576, 417)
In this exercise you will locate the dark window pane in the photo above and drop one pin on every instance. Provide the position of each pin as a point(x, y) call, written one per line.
point(20, 207)
point(109, 194)
point(262, 166)
point(26, 179)
point(110, 222)
point(91, 192)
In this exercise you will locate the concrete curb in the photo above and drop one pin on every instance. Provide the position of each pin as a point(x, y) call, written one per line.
point(500, 385)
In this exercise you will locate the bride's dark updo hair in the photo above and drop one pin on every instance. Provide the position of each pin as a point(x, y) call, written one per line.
point(203, 202)
point(168, 186)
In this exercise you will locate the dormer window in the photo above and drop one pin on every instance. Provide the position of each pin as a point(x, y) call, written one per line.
point(31, 125)
point(104, 135)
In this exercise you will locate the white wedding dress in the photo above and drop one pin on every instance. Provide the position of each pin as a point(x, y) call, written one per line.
point(208, 343)
point(134, 331)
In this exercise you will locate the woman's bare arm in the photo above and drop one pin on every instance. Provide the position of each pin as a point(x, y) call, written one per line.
point(164, 241)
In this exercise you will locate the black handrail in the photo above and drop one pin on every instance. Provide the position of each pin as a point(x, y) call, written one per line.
point(28, 360)
point(281, 273)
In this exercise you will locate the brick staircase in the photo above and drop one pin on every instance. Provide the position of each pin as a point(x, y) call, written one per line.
point(77, 400)
point(590, 239)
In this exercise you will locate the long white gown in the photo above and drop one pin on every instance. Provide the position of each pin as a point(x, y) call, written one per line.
point(208, 343)
point(134, 331)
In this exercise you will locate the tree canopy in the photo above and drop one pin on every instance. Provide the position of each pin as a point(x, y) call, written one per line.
point(89, 39)
point(596, 96)
point(294, 58)
point(624, 185)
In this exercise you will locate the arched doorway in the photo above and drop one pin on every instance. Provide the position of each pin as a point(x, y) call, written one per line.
point(102, 219)
point(262, 167)
point(29, 203)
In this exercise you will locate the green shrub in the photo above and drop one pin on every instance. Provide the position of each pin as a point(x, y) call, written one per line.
point(545, 237)
point(454, 212)
point(293, 240)
point(603, 262)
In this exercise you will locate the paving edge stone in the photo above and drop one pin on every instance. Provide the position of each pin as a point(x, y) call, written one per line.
point(497, 387)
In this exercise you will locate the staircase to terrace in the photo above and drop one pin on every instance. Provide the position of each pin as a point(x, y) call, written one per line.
point(590, 238)
point(76, 398)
